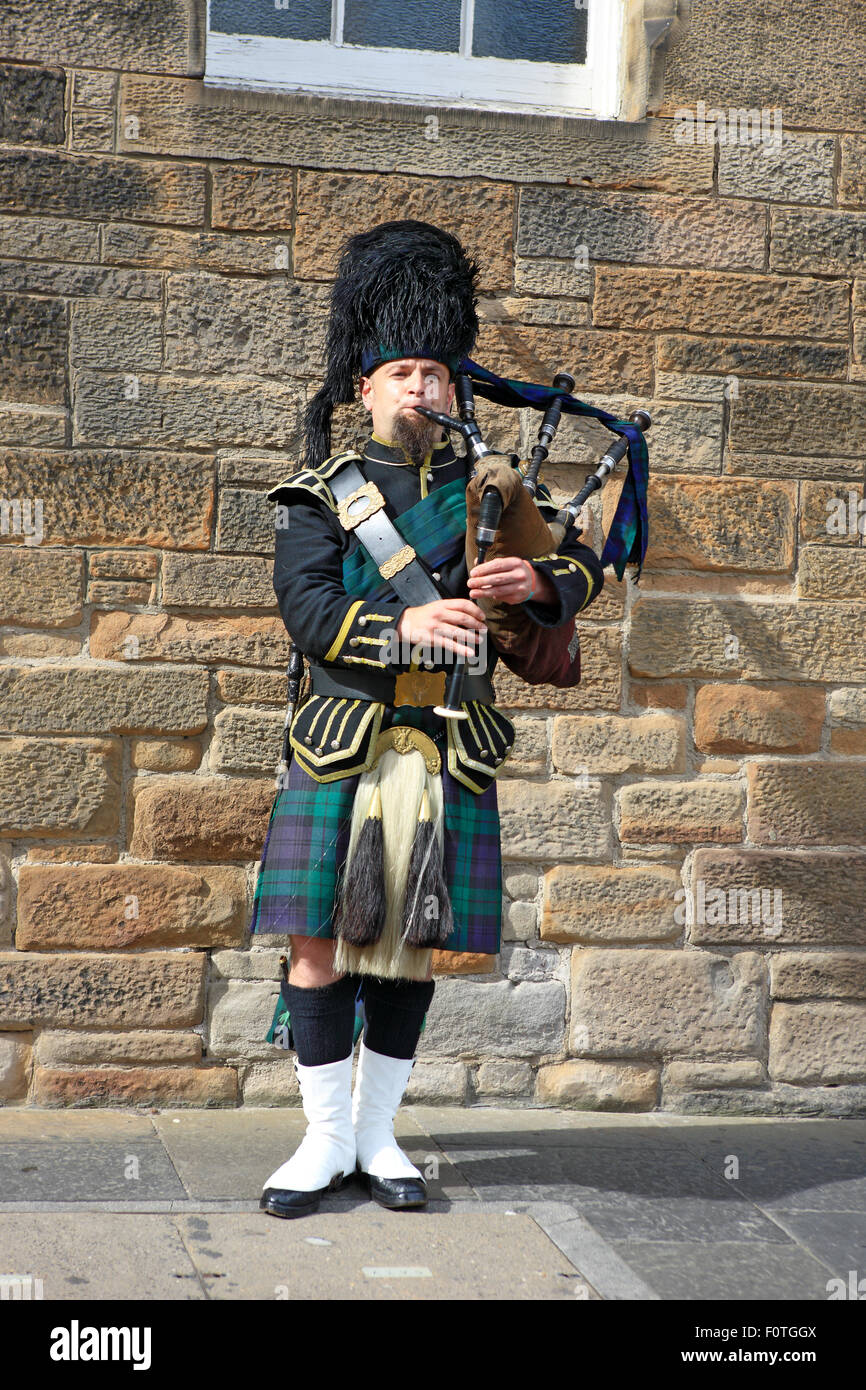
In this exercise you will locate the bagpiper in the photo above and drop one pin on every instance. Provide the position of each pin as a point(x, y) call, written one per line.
point(383, 843)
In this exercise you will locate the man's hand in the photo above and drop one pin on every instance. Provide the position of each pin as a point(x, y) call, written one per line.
point(449, 623)
point(510, 580)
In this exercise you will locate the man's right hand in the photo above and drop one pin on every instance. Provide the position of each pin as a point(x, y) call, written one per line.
point(450, 624)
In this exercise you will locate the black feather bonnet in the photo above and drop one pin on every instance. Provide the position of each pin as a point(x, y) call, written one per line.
point(403, 289)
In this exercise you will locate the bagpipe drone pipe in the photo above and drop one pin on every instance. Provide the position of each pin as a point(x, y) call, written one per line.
point(503, 518)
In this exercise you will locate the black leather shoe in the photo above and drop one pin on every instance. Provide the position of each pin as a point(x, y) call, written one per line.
point(283, 1201)
point(394, 1193)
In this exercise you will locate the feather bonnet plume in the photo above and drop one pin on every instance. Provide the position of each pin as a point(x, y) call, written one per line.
point(403, 289)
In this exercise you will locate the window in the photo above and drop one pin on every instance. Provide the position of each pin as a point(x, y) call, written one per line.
point(559, 57)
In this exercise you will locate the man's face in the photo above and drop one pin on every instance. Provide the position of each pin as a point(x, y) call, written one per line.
point(394, 388)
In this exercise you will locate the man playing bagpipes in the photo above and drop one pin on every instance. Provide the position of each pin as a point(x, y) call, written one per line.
point(383, 843)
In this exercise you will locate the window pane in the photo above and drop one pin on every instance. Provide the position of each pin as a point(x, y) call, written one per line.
point(297, 19)
point(403, 24)
point(542, 31)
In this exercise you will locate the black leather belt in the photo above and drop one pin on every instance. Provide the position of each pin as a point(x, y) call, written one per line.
point(371, 685)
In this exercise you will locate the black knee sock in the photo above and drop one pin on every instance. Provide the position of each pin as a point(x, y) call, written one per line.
point(322, 1020)
point(395, 1010)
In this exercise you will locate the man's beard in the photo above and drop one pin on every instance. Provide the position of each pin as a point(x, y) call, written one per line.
point(415, 434)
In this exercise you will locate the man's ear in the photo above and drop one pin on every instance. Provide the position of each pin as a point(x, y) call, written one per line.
point(365, 389)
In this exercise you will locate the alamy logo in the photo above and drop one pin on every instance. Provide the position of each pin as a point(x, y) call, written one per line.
point(77, 1343)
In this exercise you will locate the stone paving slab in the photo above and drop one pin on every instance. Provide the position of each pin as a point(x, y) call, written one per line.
point(95, 1255)
point(374, 1254)
point(733, 1271)
point(94, 1155)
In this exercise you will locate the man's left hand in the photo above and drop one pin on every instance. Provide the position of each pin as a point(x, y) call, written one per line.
point(510, 580)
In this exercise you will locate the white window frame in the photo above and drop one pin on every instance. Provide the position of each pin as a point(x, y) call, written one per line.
point(421, 77)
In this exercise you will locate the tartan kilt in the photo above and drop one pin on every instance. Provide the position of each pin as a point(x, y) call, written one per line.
point(307, 842)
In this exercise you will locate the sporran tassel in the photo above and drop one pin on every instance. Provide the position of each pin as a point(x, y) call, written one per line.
point(360, 914)
point(427, 915)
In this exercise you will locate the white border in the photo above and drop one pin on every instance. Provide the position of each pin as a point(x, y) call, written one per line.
point(323, 68)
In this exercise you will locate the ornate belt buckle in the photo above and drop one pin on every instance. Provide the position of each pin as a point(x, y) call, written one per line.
point(419, 688)
point(358, 505)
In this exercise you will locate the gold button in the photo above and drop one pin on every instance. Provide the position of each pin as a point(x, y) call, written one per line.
point(436, 574)
point(308, 739)
point(572, 568)
point(353, 641)
point(335, 743)
point(363, 620)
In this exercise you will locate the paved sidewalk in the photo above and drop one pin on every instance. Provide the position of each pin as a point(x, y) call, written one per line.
point(524, 1204)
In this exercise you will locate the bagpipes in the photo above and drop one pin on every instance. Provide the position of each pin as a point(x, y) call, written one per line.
point(503, 519)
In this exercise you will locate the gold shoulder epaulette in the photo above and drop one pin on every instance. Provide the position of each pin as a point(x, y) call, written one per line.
point(313, 479)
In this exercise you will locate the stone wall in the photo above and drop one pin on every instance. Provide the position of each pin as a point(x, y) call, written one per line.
point(685, 833)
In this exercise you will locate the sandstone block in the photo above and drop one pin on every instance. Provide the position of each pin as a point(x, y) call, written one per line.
point(198, 819)
point(113, 497)
point(109, 334)
point(283, 325)
point(246, 741)
point(91, 699)
point(217, 581)
point(101, 187)
point(161, 637)
point(634, 228)
point(333, 205)
point(33, 349)
point(831, 514)
point(240, 1013)
point(40, 588)
point(819, 897)
point(749, 719)
point(164, 754)
point(166, 42)
point(253, 200)
point(750, 357)
point(128, 243)
point(15, 1065)
point(163, 1086)
point(838, 574)
point(799, 169)
point(554, 820)
point(706, 301)
point(599, 744)
point(681, 812)
point(125, 905)
point(822, 974)
point(711, 1076)
point(822, 241)
point(67, 1047)
point(806, 803)
point(67, 788)
point(818, 1043)
point(191, 412)
point(634, 1003)
point(610, 903)
point(31, 108)
point(503, 1079)
point(153, 989)
point(509, 1020)
point(598, 1085)
point(727, 638)
point(721, 524)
